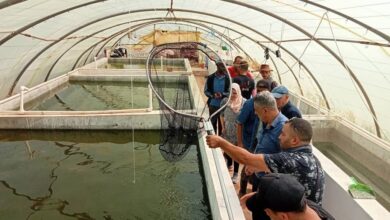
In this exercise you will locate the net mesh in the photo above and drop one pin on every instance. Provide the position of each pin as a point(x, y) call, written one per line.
point(180, 119)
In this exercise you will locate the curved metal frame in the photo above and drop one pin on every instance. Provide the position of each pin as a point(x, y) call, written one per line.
point(376, 31)
point(32, 24)
point(238, 47)
point(339, 59)
point(182, 10)
point(227, 38)
point(83, 39)
point(186, 20)
point(357, 82)
point(217, 60)
point(8, 3)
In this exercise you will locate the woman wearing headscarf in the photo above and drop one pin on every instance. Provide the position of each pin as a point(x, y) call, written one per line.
point(228, 120)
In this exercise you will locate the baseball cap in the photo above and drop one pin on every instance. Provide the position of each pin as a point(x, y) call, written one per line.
point(278, 192)
point(279, 91)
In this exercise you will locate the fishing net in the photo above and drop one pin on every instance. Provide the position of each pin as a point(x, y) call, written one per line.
point(168, 76)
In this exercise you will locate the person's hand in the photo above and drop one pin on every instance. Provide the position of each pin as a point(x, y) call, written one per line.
point(217, 95)
point(213, 141)
point(249, 171)
point(240, 144)
point(245, 197)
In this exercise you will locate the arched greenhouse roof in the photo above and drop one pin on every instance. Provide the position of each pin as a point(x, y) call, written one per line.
point(335, 53)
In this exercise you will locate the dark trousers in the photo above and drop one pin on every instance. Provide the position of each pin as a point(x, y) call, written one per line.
point(230, 162)
point(243, 181)
point(215, 121)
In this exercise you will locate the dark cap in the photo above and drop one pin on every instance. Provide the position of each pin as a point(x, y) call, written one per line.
point(263, 83)
point(279, 91)
point(278, 192)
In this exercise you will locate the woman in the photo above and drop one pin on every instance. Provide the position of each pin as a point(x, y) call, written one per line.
point(228, 122)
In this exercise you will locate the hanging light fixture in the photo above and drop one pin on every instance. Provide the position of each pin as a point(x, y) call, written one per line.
point(266, 53)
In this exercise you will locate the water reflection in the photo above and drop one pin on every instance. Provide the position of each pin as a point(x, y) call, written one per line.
point(47, 202)
point(90, 178)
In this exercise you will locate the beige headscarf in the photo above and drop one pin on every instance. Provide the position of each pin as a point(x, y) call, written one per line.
point(235, 104)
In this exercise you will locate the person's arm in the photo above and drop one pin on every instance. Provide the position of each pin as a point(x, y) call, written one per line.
point(222, 124)
point(238, 154)
point(206, 90)
point(245, 198)
point(242, 117)
point(226, 90)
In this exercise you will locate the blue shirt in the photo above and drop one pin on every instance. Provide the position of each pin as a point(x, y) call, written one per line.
point(247, 118)
point(290, 111)
point(268, 136)
point(218, 86)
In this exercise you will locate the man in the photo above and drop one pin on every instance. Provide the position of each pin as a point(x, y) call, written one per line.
point(296, 157)
point(246, 121)
point(265, 72)
point(216, 88)
point(283, 101)
point(272, 123)
point(269, 127)
point(282, 197)
point(247, 85)
point(234, 70)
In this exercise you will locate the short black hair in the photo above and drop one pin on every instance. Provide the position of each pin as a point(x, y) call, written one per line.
point(302, 128)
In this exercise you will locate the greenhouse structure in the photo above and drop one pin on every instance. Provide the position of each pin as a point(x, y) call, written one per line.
point(96, 98)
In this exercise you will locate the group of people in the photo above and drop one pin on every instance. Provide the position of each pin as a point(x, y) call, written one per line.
point(261, 129)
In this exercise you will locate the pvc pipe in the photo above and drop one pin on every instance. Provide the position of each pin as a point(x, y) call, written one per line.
point(22, 89)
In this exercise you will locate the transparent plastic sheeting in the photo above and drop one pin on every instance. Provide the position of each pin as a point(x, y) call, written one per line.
point(44, 39)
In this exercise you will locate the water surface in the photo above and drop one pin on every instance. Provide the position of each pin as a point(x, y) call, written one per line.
point(97, 175)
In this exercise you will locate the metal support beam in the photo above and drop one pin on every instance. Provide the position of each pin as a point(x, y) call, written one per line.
point(8, 3)
point(331, 52)
point(32, 24)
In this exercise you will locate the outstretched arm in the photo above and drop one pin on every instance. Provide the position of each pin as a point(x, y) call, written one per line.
point(238, 154)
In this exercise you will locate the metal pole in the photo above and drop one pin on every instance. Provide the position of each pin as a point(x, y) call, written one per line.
point(150, 99)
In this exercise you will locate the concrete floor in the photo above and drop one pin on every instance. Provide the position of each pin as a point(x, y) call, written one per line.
point(201, 80)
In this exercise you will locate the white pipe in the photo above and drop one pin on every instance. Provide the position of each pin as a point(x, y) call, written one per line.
point(21, 105)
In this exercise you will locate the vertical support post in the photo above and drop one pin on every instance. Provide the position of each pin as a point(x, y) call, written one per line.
point(150, 108)
point(96, 66)
point(154, 35)
point(319, 105)
point(162, 63)
point(21, 105)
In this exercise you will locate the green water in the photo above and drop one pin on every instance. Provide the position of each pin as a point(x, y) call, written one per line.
point(97, 175)
point(88, 96)
point(354, 168)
